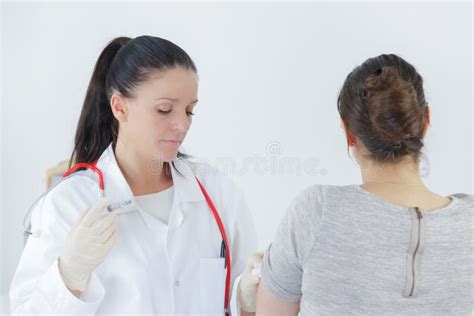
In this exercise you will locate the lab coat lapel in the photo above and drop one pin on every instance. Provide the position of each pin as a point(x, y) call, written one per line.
point(186, 189)
point(115, 185)
point(117, 188)
point(185, 182)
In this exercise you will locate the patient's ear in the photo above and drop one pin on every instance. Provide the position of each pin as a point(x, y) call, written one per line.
point(350, 137)
point(427, 120)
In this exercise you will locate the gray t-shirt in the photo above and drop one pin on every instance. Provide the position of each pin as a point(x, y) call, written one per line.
point(341, 250)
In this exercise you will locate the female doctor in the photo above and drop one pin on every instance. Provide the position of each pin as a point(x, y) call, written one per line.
point(161, 251)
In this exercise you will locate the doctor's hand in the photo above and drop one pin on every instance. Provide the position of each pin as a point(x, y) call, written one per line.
point(87, 244)
point(248, 285)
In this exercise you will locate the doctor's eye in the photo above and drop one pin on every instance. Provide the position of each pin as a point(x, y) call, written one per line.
point(163, 111)
point(189, 113)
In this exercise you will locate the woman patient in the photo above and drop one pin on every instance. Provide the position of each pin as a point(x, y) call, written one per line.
point(389, 245)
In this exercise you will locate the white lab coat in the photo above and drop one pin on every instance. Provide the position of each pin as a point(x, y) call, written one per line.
point(152, 267)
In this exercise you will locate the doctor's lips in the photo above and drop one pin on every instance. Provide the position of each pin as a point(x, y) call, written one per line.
point(171, 142)
point(118, 205)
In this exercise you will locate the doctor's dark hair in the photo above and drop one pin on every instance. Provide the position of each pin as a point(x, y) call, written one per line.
point(382, 102)
point(122, 65)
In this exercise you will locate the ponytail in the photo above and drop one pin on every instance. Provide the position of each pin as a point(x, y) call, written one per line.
point(123, 64)
point(97, 125)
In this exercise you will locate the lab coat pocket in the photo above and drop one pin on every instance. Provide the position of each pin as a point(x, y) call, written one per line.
point(212, 285)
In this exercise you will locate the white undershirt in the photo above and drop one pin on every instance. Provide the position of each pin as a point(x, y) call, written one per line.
point(157, 204)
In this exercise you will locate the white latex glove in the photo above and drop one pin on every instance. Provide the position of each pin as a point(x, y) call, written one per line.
point(87, 244)
point(248, 285)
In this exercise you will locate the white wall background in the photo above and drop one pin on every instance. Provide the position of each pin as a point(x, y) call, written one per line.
point(269, 78)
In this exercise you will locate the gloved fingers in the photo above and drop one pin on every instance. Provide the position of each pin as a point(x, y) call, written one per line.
point(257, 271)
point(111, 239)
point(92, 213)
point(257, 280)
point(258, 266)
point(256, 257)
point(104, 224)
point(105, 236)
point(250, 281)
point(255, 260)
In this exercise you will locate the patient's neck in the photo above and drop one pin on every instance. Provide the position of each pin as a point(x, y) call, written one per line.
point(404, 173)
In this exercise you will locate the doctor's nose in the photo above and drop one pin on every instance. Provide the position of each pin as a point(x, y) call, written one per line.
point(181, 122)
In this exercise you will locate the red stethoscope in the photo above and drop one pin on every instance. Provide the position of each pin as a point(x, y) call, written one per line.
point(225, 249)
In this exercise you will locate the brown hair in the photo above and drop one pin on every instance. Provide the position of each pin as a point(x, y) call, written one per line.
point(382, 102)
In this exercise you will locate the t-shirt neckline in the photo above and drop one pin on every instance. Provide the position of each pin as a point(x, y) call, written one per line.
point(450, 205)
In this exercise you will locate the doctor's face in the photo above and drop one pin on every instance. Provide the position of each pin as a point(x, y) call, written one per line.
point(160, 114)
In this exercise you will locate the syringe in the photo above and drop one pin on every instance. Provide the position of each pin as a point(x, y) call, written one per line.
point(115, 206)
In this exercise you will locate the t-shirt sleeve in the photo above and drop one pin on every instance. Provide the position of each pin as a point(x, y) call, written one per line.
point(282, 266)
